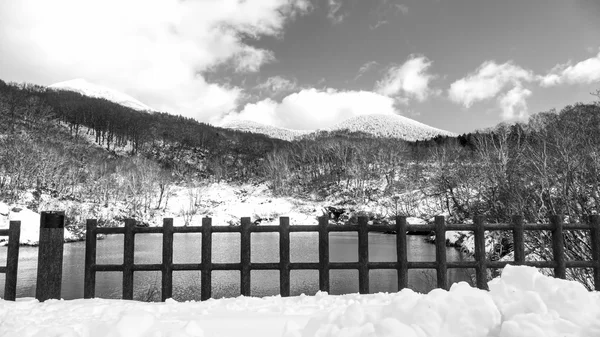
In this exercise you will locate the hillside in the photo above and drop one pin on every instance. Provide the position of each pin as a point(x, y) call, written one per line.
point(93, 90)
point(269, 130)
point(391, 126)
point(376, 125)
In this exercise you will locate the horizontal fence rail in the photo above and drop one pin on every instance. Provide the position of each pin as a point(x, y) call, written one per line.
point(12, 260)
point(363, 265)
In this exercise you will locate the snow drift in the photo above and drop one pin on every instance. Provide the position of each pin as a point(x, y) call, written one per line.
point(522, 302)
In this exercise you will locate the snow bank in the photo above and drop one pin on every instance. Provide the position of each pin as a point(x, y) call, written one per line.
point(30, 224)
point(522, 302)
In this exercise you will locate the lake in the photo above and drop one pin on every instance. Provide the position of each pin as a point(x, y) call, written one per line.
point(226, 247)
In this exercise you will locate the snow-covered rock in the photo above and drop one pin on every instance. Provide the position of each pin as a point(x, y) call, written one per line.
point(93, 90)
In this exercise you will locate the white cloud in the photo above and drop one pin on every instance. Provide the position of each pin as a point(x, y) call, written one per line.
point(277, 84)
point(364, 68)
point(584, 72)
point(409, 80)
point(155, 51)
point(513, 103)
point(401, 8)
point(487, 82)
point(311, 109)
point(334, 14)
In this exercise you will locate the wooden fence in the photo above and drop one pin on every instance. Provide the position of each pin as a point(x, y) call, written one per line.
point(12, 260)
point(402, 265)
point(50, 277)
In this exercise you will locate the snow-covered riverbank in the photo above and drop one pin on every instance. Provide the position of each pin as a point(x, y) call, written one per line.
point(520, 303)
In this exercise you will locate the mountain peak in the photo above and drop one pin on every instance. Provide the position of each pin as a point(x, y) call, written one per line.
point(378, 125)
point(391, 126)
point(87, 88)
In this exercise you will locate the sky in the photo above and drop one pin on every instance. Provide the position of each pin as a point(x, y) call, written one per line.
point(458, 65)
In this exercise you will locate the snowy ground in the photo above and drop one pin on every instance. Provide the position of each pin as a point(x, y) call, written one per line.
point(520, 303)
point(224, 203)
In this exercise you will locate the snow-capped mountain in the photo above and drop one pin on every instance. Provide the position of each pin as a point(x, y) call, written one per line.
point(271, 131)
point(93, 90)
point(392, 126)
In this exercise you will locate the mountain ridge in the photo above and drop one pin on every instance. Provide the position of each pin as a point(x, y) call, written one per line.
point(378, 125)
point(89, 89)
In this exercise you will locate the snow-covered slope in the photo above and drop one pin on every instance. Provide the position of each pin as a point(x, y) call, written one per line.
point(271, 131)
point(93, 90)
point(393, 126)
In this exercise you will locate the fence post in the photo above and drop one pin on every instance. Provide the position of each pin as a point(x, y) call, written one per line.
point(284, 256)
point(50, 255)
point(89, 278)
point(128, 251)
point(324, 254)
point(167, 260)
point(595, 241)
point(12, 261)
point(518, 239)
point(558, 246)
point(440, 252)
point(206, 273)
point(480, 257)
point(363, 255)
point(401, 252)
point(245, 260)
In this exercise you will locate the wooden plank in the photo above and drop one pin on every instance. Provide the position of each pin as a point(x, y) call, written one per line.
point(301, 228)
point(245, 259)
point(148, 267)
point(422, 265)
point(187, 229)
point(50, 256)
point(363, 255)
point(227, 229)
point(595, 242)
point(128, 258)
point(323, 254)
point(107, 267)
point(12, 261)
point(558, 247)
point(440, 252)
point(167, 260)
point(304, 266)
point(89, 278)
point(383, 265)
point(580, 264)
point(265, 229)
point(227, 266)
point(187, 266)
point(342, 228)
point(402, 252)
point(284, 256)
point(206, 273)
point(148, 230)
point(463, 264)
point(110, 230)
point(518, 239)
point(481, 269)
